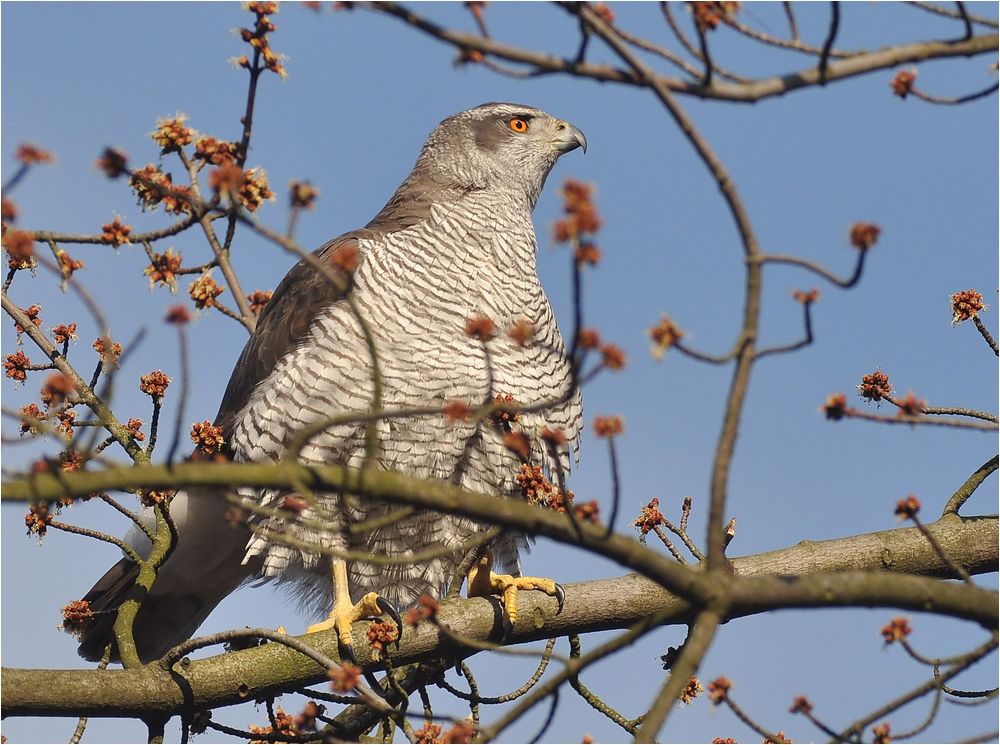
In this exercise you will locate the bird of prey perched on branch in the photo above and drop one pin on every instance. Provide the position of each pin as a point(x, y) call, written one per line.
point(430, 287)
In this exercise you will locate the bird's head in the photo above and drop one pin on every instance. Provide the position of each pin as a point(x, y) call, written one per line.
point(503, 146)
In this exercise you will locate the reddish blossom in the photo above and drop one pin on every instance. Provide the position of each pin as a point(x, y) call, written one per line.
point(535, 488)
point(67, 264)
point(461, 732)
point(521, 331)
point(665, 334)
point(153, 186)
point(555, 436)
point(908, 507)
point(20, 249)
point(154, 385)
point(284, 724)
point(16, 366)
point(227, 178)
point(902, 84)
point(38, 519)
point(801, 705)
point(381, 634)
point(588, 512)
point(806, 297)
point(649, 518)
point(132, 427)
point(880, 734)
point(113, 162)
point(613, 357)
point(31, 154)
point(503, 417)
point(303, 195)
point(76, 615)
point(427, 607)
point(608, 426)
point(57, 389)
point(345, 677)
point(306, 720)
point(896, 630)
point(296, 505)
point(518, 443)
point(31, 417)
point(32, 313)
point(66, 420)
point(480, 327)
point(178, 314)
point(875, 387)
point(691, 691)
point(456, 411)
point(207, 437)
point(965, 305)
point(603, 12)
point(63, 333)
point(708, 15)
point(70, 460)
point(346, 257)
point(164, 269)
point(258, 300)
point(582, 218)
point(215, 152)
point(172, 134)
point(153, 497)
point(8, 210)
point(864, 235)
point(254, 191)
point(911, 405)
point(115, 232)
point(718, 690)
point(588, 338)
point(428, 734)
point(204, 290)
point(108, 355)
point(836, 406)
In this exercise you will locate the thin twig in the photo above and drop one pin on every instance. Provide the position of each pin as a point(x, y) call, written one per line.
point(853, 732)
point(817, 268)
point(986, 335)
point(967, 489)
point(953, 101)
point(804, 342)
point(824, 59)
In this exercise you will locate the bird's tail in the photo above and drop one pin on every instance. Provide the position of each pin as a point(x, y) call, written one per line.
point(205, 566)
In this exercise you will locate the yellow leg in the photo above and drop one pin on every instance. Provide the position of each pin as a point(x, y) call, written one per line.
point(345, 613)
point(483, 581)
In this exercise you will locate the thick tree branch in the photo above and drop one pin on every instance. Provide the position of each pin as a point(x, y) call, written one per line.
point(750, 92)
point(617, 603)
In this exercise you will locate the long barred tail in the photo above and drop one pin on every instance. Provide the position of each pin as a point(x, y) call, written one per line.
point(205, 566)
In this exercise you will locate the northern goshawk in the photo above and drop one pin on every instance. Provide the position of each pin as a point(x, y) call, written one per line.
point(454, 243)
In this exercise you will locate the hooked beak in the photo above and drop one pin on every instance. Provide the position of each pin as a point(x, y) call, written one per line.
point(569, 138)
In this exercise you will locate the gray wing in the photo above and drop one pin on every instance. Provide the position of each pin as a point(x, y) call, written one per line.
point(284, 324)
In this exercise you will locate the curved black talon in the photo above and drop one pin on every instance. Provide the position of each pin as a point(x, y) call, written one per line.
point(389, 609)
point(560, 597)
point(506, 627)
point(376, 685)
point(347, 654)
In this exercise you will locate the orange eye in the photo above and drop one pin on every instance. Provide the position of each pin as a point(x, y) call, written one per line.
point(519, 125)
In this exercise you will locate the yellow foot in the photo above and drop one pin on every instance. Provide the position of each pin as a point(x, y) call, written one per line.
point(344, 615)
point(483, 582)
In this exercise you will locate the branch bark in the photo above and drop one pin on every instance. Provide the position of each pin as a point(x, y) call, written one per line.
point(873, 570)
point(750, 92)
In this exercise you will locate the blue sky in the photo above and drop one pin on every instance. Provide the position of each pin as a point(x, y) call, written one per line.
point(362, 93)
